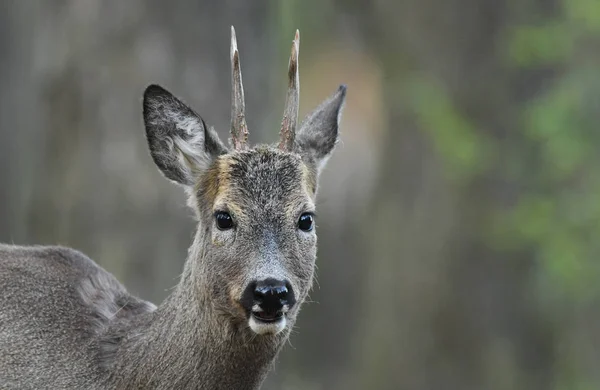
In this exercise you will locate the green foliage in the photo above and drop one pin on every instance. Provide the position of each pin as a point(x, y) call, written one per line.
point(584, 14)
point(560, 210)
point(558, 216)
point(455, 138)
point(555, 122)
point(535, 45)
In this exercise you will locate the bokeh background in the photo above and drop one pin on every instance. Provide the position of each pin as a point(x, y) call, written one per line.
point(459, 219)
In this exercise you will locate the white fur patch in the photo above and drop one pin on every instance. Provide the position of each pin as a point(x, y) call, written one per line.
point(191, 152)
point(185, 146)
point(260, 327)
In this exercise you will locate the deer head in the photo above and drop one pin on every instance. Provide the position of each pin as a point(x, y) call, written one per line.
point(254, 254)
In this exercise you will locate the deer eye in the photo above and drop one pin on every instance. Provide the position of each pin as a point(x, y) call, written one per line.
point(224, 220)
point(306, 222)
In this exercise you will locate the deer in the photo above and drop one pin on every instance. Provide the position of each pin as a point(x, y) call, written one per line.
point(67, 323)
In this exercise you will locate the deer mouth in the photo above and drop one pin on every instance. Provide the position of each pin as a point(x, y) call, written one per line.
point(268, 316)
point(267, 322)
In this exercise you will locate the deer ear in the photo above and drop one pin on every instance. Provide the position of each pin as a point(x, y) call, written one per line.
point(318, 134)
point(181, 144)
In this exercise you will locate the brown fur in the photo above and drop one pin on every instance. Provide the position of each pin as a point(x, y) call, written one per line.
point(66, 323)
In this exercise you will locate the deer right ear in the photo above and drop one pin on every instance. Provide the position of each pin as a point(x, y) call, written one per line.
point(181, 144)
point(318, 133)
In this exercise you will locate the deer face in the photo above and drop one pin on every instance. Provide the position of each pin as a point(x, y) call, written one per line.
point(256, 248)
point(260, 241)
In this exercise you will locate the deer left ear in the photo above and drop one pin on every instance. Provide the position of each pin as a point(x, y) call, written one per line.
point(319, 132)
point(181, 144)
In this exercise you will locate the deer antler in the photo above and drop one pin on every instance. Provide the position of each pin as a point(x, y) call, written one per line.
point(239, 129)
point(290, 113)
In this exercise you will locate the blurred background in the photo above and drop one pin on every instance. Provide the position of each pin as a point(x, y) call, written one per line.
point(459, 219)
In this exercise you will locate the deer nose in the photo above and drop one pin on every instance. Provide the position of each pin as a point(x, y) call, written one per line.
point(272, 295)
point(269, 299)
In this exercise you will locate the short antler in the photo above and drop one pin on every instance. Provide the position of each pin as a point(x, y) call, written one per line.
point(239, 129)
point(290, 114)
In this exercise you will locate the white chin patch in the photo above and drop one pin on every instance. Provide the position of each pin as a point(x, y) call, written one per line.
point(261, 327)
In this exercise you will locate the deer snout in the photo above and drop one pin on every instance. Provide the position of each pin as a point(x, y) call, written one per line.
point(273, 296)
point(267, 301)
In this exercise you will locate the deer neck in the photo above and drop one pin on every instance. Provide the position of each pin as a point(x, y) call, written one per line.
point(187, 344)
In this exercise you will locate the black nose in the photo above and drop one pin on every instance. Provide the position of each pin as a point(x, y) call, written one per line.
point(270, 295)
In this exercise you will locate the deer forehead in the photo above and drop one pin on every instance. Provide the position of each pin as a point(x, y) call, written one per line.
point(260, 179)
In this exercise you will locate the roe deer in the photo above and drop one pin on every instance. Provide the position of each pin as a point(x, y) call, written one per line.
point(66, 323)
